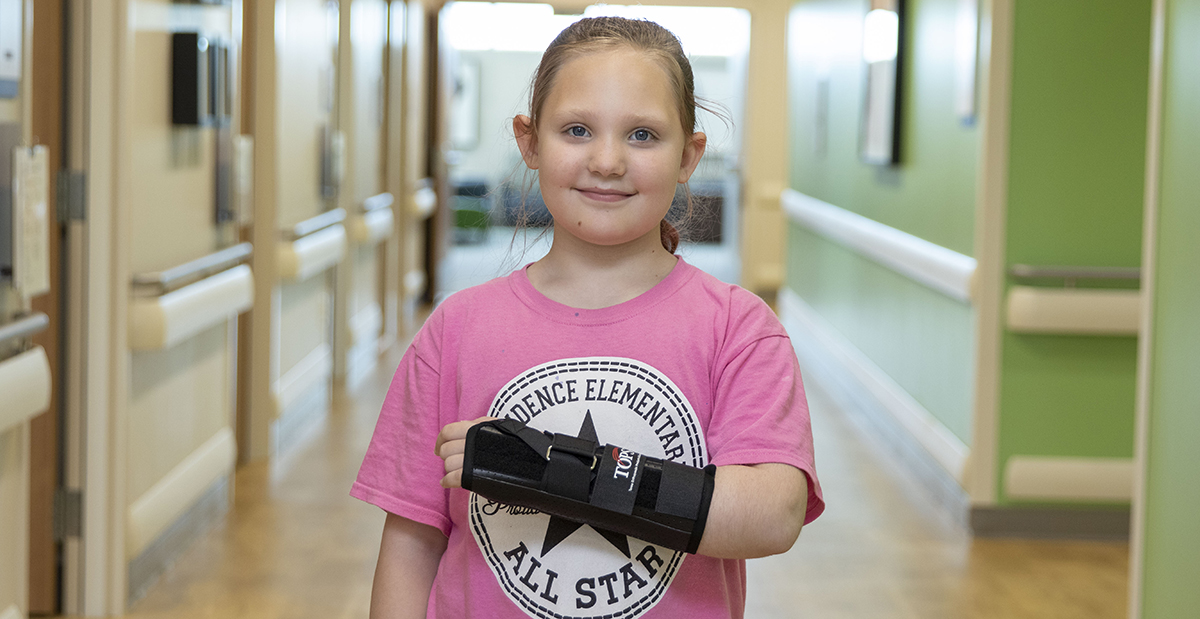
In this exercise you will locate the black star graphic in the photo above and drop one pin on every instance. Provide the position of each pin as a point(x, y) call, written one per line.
point(561, 528)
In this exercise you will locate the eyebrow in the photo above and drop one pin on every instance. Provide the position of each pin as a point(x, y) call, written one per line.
point(639, 119)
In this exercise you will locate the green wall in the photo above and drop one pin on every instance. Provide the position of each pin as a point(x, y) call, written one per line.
point(1171, 552)
point(920, 337)
point(1080, 72)
point(932, 193)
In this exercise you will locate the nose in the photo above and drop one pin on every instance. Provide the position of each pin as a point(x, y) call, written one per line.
point(607, 157)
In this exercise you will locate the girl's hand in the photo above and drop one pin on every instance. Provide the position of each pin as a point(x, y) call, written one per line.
point(451, 443)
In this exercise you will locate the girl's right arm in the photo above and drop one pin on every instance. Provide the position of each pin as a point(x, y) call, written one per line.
point(408, 560)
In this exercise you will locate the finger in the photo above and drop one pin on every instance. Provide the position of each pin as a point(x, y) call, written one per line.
point(454, 463)
point(453, 480)
point(450, 448)
point(456, 431)
point(451, 432)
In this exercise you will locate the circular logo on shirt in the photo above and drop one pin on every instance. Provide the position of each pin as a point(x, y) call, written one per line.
point(553, 568)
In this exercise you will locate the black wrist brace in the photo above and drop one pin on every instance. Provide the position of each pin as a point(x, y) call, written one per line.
point(606, 487)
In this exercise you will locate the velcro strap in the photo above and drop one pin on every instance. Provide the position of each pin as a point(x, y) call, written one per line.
point(680, 490)
point(581, 448)
point(568, 476)
point(535, 439)
point(617, 480)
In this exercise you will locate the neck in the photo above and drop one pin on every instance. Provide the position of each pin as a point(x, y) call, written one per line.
point(592, 277)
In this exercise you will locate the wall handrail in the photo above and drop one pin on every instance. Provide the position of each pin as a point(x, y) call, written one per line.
point(162, 282)
point(378, 201)
point(316, 224)
point(937, 267)
point(160, 322)
point(24, 327)
point(423, 201)
point(1073, 311)
point(26, 384)
point(1071, 273)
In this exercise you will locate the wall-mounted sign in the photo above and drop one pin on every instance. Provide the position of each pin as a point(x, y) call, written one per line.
point(883, 54)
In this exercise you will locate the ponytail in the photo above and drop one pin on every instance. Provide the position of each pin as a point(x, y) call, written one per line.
point(668, 235)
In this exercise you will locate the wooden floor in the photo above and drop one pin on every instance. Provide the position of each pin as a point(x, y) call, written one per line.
point(296, 546)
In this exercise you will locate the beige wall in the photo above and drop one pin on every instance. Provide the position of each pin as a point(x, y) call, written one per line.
point(180, 398)
point(368, 29)
point(14, 493)
point(304, 320)
point(171, 210)
point(305, 82)
point(14, 441)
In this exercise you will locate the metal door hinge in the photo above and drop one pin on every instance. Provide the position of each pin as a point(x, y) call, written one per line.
point(72, 196)
point(68, 514)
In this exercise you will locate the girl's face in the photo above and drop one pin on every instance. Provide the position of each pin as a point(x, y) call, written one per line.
point(610, 148)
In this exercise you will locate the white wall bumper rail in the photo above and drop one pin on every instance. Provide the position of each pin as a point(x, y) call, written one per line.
point(1073, 311)
point(12, 612)
point(371, 227)
point(160, 322)
point(25, 385)
point(175, 493)
point(1045, 478)
point(423, 201)
point(309, 255)
point(937, 267)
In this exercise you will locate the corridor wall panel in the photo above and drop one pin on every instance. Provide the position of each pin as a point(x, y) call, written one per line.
point(931, 193)
point(368, 24)
point(179, 398)
point(1169, 552)
point(306, 91)
point(922, 338)
point(14, 531)
point(172, 202)
point(1076, 165)
point(919, 337)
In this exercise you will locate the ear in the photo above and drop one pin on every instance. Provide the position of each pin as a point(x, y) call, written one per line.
point(693, 150)
point(526, 140)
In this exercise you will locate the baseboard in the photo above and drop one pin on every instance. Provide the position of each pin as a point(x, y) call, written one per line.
point(158, 556)
point(172, 496)
point(360, 360)
point(297, 419)
point(856, 384)
point(1088, 523)
point(297, 383)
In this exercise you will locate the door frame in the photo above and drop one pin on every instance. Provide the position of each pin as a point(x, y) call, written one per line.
point(94, 570)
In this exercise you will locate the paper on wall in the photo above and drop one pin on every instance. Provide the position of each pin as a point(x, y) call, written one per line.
point(31, 221)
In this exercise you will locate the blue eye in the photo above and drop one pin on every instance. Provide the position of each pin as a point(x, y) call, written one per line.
point(577, 132)
point(642, 135)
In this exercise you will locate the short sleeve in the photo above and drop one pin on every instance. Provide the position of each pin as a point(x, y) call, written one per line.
point(760, 413)
point(400, 472)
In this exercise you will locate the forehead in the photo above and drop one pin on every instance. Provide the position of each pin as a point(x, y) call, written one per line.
point(619, 79)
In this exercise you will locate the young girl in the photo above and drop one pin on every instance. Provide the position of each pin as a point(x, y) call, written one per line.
point(609, 337)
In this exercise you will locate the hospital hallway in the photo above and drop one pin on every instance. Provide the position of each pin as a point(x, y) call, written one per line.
point(294, 545)
point(223, 221)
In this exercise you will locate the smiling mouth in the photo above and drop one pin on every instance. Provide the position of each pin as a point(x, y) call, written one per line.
point(604, 195)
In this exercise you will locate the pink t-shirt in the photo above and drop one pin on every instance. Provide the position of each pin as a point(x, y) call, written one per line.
point(693, 370)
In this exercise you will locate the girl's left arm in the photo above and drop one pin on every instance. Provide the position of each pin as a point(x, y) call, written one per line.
point(757, 510)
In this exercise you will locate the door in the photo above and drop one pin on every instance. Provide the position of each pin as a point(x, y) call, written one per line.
point(45, 452)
